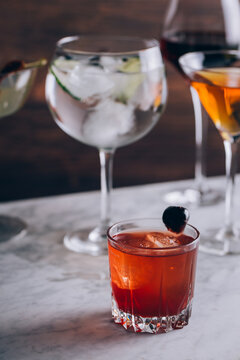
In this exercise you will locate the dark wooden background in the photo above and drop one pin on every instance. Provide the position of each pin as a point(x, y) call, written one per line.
point(37, 158)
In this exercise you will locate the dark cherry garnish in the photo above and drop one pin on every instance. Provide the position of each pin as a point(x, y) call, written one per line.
point(175, 218)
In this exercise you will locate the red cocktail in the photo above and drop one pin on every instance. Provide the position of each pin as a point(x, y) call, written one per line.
point(152, 275)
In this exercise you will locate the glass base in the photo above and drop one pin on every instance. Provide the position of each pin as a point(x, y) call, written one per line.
point(11, 227)
point(87, 242)
point(220, 242)
point(193, 196)
point(153, 325)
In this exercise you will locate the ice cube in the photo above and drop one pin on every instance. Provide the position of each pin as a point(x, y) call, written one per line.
point(130, 276)
point(161, 240)
point(107, 121)
point(87, 81)
point(152, 88)
point(110, 63)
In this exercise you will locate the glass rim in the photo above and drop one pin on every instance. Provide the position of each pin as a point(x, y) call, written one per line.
point(160, 249)
point(205, 52)
point(67, 39)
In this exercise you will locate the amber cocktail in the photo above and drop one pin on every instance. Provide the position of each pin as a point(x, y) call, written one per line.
point(216, 77)
point(152, 275)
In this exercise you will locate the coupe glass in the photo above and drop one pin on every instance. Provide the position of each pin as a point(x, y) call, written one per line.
point(216, 78)
point(16, 79)
point(199, 26)
point(106, 92)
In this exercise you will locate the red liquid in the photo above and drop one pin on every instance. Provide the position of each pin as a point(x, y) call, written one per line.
point(175, 44)
point(152, 284)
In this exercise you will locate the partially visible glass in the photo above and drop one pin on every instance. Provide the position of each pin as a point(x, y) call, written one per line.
point(106, 92)
point(152, 275)
point(16, 80)
point(216, 78)
point(192, 26)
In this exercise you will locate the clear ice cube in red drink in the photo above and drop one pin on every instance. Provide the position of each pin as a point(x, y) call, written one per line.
point(161, 240)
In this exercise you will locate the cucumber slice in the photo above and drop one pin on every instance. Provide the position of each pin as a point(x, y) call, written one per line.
point(82, 81)
point(61, 69)
point(132, 65)
point(130, 81)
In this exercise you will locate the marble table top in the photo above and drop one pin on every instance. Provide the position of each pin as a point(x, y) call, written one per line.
point(55, 304)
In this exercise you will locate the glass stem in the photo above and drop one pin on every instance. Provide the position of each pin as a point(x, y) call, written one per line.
point(106, 162)
point(231, 164)
point(201, 127)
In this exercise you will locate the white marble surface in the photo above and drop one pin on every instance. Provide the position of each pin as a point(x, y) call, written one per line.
point(55, 304)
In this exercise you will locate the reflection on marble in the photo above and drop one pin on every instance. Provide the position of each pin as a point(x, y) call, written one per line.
point(55, 304)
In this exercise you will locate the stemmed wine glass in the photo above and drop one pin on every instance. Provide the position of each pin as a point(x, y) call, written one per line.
point(106, 92)
point(199, 26)
point(216, 78)
point(16, 79)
